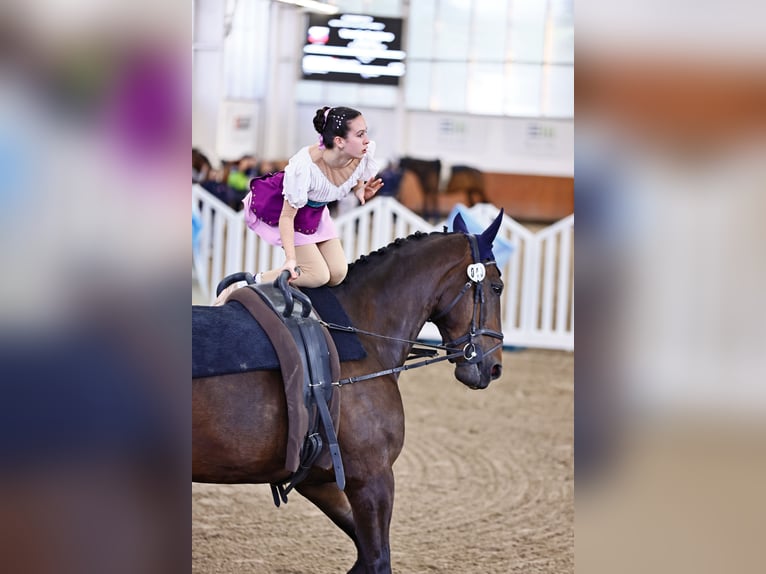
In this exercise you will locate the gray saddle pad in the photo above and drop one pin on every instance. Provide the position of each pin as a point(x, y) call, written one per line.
point(226, 339)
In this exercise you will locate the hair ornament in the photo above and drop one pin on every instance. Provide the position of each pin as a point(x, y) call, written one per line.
point(326, 113)
point(324, 126)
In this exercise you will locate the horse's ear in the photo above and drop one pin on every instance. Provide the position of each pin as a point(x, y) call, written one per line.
point(458, 224)
point(489, 234)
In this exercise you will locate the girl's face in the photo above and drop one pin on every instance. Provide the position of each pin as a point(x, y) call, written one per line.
point(356, 140)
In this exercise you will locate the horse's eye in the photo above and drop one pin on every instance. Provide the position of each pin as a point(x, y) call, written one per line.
point(497, 288)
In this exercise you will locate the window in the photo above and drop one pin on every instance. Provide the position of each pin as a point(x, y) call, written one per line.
point(497, 58)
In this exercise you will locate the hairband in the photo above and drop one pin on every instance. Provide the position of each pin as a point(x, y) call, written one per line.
point(324, 125)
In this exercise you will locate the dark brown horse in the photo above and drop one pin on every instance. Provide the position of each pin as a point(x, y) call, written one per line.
point(239, 423)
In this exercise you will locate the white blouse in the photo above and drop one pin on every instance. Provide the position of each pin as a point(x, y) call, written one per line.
point(304, 180)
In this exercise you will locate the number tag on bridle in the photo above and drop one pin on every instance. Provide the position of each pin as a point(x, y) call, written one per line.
point(476, 272)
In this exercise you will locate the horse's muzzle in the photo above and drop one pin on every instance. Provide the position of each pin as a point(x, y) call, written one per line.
point(477, 376)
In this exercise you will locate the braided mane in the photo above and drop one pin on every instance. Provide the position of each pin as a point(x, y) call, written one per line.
point(395, 244)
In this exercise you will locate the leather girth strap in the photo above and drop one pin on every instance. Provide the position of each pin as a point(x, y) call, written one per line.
point(309, 362)
point(290, 366)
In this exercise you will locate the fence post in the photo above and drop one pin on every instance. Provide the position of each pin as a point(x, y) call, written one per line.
point(234, 247)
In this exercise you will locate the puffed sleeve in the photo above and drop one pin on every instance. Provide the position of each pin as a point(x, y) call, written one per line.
point(371, 166)
point(295, 186)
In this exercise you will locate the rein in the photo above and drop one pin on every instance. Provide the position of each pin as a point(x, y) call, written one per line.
point(471, 352)
point(417, 354)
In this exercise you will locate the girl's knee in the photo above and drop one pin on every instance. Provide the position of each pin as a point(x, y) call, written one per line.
point(322, 276)
point(337, 274)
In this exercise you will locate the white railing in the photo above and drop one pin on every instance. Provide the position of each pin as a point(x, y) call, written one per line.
point(538, 300)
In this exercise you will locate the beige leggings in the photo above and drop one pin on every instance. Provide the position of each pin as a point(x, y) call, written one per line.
point(320, 264)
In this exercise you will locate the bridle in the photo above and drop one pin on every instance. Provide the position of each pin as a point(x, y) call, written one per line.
point(470, 351)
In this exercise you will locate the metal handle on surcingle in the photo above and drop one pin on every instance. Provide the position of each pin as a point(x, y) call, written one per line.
point(287, 293)
point(303, 300)
point(234, 278)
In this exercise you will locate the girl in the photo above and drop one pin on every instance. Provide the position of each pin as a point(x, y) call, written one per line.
point(342, 162)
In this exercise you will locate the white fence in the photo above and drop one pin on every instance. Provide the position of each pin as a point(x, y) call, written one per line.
point(538, 300)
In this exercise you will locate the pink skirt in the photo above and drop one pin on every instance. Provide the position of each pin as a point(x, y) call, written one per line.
point(270, 234)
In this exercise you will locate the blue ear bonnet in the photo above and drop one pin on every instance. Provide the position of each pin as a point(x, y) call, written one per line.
point(485, 250)
point(485, 237)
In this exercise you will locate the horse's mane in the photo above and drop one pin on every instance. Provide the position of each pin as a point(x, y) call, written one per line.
point(377, 257)
point(394, 245)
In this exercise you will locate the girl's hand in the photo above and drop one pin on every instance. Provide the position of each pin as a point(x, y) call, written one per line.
point(291, 266)
point(371, 187)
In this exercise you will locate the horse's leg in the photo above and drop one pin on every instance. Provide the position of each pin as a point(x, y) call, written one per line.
point(335, 505)
point(372, 501)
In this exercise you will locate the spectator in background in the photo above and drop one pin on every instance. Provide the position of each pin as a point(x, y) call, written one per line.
point(238, 176)
point(201, 166)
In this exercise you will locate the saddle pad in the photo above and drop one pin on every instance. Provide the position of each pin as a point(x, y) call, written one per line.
point(328, 307)
point(226, 339)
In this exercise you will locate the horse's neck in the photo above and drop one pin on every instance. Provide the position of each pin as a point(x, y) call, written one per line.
point(396, 313)
point(394, 297)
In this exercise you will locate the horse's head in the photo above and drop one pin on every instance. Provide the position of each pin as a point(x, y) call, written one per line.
point(467, 311)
